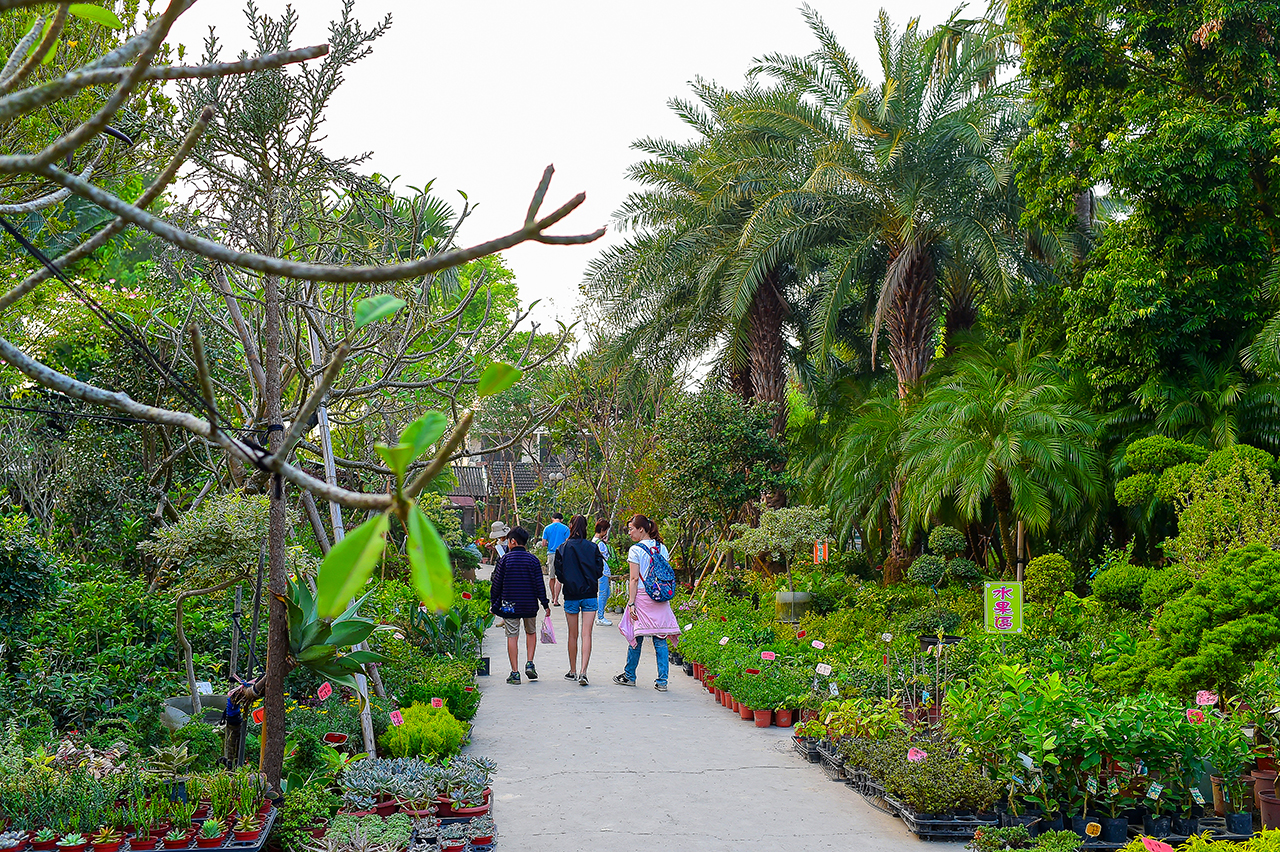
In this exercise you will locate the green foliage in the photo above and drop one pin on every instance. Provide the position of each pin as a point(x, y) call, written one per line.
point(26, 573)
point(427, 732)
point(450, 680)
point(1156, 453)
point(219, 540)
point(315, 642)
point(947, 540)
point(1137, 489)
point(203, 742)
point(1230, 502)
point(785, 534)
point(927, 570)
point(390, 832)
point(1174, 482)
point(1121, 584)
point(963, 569)
point(303, 806)
point(1164, 585)
point(1047, 577)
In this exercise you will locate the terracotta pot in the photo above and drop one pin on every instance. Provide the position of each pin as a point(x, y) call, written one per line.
point(719, 694)
point(45, 846)
point(386, 809)
point(247, 835)
point(782, 718)
point(1219, 805)
point(711, 683)
point(807, 715)
point(478, 810)
point(444, 807)
point(1266, 762)
point(79, 848)
point(764, 718)
point(745, 712)
point(412, 812)
point(143, 844)
point(176, 844)
point(1264, 781)
point(697, 670)
point(113, 846)
point(356, 813)
point(1269, 805)
point(210, 842)
point(318, 830)
point(454, 847)
point(265, 807)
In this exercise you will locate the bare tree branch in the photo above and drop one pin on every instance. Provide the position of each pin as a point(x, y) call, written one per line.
point(46, 44)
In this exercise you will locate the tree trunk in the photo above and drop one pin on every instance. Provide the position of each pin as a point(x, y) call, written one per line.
point(740, 382)
point(768, 376)
point(909, 320)
point(960, 317)
point(1002, 497)
point(896, 561)
point(271, 757)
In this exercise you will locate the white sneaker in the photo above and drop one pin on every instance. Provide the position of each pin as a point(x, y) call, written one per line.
point(604, 622)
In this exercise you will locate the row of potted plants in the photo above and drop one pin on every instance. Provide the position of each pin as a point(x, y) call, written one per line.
point(761, 702)
point(417, 788)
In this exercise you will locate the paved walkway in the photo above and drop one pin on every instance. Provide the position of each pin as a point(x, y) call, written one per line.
point(607, 767)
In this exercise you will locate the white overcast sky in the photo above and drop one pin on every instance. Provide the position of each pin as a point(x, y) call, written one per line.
point(482, 94)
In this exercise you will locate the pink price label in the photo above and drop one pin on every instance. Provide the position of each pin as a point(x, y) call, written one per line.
point(1153, 845)
point(767, 655)
point(324, 691)
point(437, 703)
point(818, 643)
point(259, 715)
point(724, 640)
point(396, 718)
point(1205, 698)
point(470, 689)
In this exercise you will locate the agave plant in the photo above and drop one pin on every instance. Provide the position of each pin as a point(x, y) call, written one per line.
point(314, 642)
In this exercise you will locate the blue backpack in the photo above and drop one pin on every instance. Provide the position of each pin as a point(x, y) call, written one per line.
point(659, 580)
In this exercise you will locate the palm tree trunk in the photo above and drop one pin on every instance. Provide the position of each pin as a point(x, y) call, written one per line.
point(1002, 497)
point(910, 320)
point(896, 561)
point(740, 382)
point(768, 378)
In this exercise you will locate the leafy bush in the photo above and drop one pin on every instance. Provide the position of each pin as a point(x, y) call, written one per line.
point(26, 572)
point(449, 679)
point(302, 807)
point(1137, 489)
point(1047, 577)
point(1165, 585)
point(1229, 502)
point(1174, 482)
point(1121, 584)
point(203, 743)
point(382, 832)
point(427, 732)
point(947, 540)
point(1156, 453)
point(927, 570)
point(852, 563)
point(963, 569)
point(932, 621)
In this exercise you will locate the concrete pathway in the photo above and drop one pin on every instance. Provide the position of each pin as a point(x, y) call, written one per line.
point(607, 767)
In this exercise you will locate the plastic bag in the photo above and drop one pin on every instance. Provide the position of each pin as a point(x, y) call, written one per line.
point(548, 632)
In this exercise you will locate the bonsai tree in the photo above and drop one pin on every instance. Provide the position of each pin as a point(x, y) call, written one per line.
point(783, 534)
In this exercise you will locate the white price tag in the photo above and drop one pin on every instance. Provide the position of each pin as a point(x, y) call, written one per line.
point(818, 643)
point(688, 627)
point(724, 640)
point(823, 669)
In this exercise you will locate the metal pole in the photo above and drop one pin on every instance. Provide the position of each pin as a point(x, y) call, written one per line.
point(252, 665)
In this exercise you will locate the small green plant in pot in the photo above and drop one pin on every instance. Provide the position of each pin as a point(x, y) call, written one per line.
point(176, 839)
point(482, 830)
point(12, 839)
point(44, 839)
point(73, 842)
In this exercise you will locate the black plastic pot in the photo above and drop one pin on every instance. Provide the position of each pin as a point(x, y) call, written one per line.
point(483, 668)
point(1186, 826)
point(1156, 826)
point(1239, 823)
point(1114, 829)
point(1079, 823)
point(688, 668)
point(927, 642)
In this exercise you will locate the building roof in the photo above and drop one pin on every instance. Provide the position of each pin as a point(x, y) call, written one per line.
point(472, 481)
point(525, 474)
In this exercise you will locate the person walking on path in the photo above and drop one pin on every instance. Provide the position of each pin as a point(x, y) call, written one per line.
point(498, 532)
point(515, 591)
point(579, 565)
point(645, 616)
point(554, 534)
point(602, 600)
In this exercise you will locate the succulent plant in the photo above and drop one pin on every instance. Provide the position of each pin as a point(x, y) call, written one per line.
point(75, 838)
point(212, 828)
point(452, 831)
point(45, 834)
point(12, 839)
point(249, 822)
point(108, 834)
point(175, 834)
point(481, 826)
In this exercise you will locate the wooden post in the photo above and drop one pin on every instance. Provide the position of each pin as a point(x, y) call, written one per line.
point(1020, 560)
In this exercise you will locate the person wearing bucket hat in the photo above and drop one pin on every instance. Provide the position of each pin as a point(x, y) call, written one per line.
point(498, 532)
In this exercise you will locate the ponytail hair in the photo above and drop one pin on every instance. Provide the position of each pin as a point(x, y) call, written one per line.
point(578, 527)
point(640, 522)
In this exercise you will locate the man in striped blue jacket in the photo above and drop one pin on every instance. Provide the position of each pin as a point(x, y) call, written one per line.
point(516, 590)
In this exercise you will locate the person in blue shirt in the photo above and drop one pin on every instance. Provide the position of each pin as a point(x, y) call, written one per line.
point(554, 534)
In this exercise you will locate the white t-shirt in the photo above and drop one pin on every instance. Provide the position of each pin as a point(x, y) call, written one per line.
point(641, 554)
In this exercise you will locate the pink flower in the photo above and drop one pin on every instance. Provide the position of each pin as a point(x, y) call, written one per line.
point(917, 755)
point(1194, 715)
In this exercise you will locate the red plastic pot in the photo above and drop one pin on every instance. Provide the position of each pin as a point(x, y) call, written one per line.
point(318, 830)
point(478, 810)
point(764, 718)
point(444, 807)
point(113, 846)
point(334, 738)
point(78, 848)
point(1266, 762)
point(1269, 805)
point(210, 842)
point(176, 844)
point(482, 841)
point(246, 835)
point(745, 712)
point(45, 846)
point(808, 715)
point(782, 718)
point(387, 808)
point(719, 694)
point(711, 683)
point(143, 844)
point(414, 813)
point(454, 847)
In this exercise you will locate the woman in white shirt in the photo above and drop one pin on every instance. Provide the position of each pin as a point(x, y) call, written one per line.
point(647, 617)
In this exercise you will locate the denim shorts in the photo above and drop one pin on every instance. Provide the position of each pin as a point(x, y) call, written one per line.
point(584, 605)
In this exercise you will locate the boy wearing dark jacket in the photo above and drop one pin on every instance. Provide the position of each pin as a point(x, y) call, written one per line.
point(516, 589)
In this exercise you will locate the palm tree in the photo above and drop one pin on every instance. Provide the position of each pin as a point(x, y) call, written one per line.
point(670, 290)
point(1003, 425)
point(908, 181)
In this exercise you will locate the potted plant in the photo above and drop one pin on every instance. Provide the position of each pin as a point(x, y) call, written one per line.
point(212, 833)
point(180, 814)
point(168, 765)
point(176, 838)
point(452, 837)
point(1228, 750)
point(107, 839)
point(44, 840)
point(248, 827)
point(482, 830)
point(12, 841)
point(222, 793)
point(73, 842)
point(417, 798)
point(197, 790)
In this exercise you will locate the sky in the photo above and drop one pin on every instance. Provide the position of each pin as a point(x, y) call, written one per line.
point(482, 95)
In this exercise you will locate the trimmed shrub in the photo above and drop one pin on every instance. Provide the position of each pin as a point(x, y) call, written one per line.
point(1137, 489)
point(927, 570)
point(947, 540)
point(1121, 584)
point(1165, 585)
point(1175, 481)
point(1047, 577)
point(962, 569)
point(1154, 454)
point(203, 742)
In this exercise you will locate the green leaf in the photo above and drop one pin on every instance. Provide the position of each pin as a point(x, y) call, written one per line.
point(97, 14)
point(397, 457)
point(423, 432)
point(496, 378)
point(349, 564)
point(429, 561)
point(316, 653)
point(353, 610)
point(366, 657)
point(347, 633)
point(375, 308)
point(53, 49)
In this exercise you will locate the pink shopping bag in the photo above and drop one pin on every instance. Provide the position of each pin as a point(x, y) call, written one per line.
point(548, 632)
